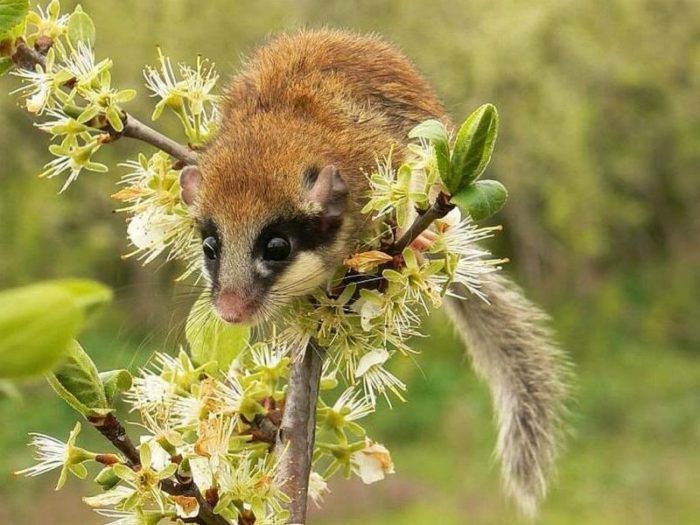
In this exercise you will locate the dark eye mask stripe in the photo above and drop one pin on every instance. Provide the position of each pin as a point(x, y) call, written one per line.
point(305, 233)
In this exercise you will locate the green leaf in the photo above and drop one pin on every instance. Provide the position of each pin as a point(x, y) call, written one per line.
point(115, 381)
point(81, 28)
point(77, 382)
point(87, 294)
point(5, 65)
point(473, 147)
point(436, 132)
point(442, 157)
point(430, 130)
point(12, 13)
point(37, 324)
point(211, 339)
point(481, 199)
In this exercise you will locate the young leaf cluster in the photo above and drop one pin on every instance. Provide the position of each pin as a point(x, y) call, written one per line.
point(461, 164)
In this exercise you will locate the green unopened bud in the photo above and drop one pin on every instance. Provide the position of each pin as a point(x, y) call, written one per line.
point(328, 383)
point(175, 102)
point(166, 445)
point(54, 9)
point(106, 478)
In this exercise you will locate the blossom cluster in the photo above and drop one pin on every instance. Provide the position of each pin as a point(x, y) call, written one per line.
point(72, 91)
point(211, 426)
point(188, 94)
point(71, 94)
point(159, 222)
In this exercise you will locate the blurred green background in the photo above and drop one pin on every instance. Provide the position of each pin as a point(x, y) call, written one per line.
point(600, 149)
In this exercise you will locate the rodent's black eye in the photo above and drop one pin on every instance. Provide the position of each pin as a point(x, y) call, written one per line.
point(277, 249)
point(210, 246)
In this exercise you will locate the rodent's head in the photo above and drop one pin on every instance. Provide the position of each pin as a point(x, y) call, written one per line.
point(274, 222)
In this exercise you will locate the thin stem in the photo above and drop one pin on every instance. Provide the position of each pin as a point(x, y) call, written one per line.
point(110, 427)
point(441, 207)
point(135, 129)
point(27, 58)
point(295, 442)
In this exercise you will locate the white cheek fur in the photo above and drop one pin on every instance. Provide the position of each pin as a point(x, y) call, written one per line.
point(305, 273)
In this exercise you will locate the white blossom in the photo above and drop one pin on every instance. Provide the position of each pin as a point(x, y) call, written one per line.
point(318, 488)
point(151, 393)
point(50, 453)
point(462, 238)
point(373, 462)
point(160, 222)
point(83, 66)
point(376, 379)
point(41, 83)
point(198, 83)
point(162, 82)
point(352, 405)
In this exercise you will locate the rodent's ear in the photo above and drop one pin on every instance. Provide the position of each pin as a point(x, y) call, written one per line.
point(190, 177)
point(330, 191)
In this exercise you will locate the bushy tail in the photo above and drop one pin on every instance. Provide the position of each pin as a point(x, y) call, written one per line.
point(512, 348)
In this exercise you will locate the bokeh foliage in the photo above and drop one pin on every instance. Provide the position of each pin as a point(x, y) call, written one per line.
point(599, 146)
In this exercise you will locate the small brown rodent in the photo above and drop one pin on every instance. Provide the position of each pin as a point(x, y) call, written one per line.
point(278, 203)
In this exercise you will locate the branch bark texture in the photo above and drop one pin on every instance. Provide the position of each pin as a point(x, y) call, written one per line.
point(135, 129)
point(295, 441)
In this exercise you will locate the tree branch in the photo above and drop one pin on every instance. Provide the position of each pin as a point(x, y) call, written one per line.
point(26, 57)
point(135, 129)
point(441, 207)
point(295, 441)
point(110, 427)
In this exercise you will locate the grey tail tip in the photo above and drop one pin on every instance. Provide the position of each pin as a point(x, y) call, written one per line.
point(513, 350)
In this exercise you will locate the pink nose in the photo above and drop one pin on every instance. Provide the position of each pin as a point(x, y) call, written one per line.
point(234, 307)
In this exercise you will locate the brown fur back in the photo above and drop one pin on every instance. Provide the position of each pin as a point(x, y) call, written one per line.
point(322, 97)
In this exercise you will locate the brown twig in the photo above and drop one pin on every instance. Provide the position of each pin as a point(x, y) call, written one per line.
point(135, 129)
point(441, 207)
point(26, 57)
point(295, 441)
point(110, 427)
